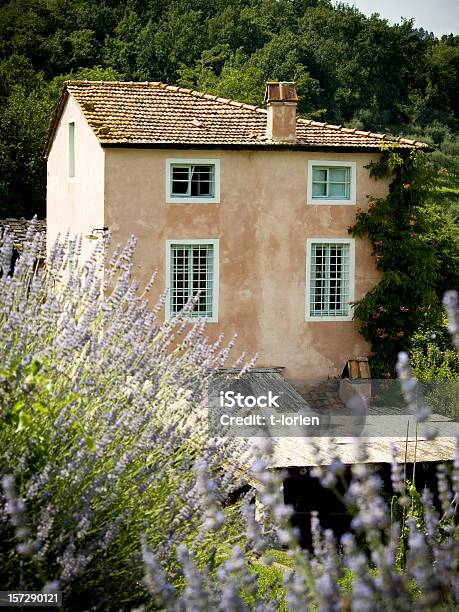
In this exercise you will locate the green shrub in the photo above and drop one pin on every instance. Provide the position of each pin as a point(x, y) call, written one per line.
point(432, 354)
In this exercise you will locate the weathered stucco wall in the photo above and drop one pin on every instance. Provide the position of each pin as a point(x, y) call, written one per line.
point(262, 222)
point(75, 203)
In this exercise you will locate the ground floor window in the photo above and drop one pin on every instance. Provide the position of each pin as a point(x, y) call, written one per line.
point(330, 279)
point(192, 271)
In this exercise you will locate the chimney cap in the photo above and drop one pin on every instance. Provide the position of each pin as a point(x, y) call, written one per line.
point(280, 91)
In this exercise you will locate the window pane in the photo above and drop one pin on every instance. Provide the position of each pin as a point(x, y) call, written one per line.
point(180, 173)
point(180, 180)
point(193, 181)
point(319, 174)
point(202, 181)
point(319, 189)
point(318, 265)
point(335, 277)
point(179, 188)
point(338, 190)
point(332, 182)
point(180, 284)
point(338, 175)
point(72, 149)
point(202, 279)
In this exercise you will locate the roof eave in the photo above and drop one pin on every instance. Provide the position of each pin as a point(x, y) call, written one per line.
point(54, 122)
point(257, 146)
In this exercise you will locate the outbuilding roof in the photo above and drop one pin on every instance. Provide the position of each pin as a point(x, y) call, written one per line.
point(18, 229)
point(157, 115)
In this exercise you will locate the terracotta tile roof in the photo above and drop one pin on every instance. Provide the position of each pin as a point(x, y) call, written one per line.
point(18, 229)
point(163, 115)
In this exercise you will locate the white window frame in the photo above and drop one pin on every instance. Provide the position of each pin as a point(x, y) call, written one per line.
point(215, 242)
point(330, 164)
point(71, 148)
point(195, 161)
point(351, 296)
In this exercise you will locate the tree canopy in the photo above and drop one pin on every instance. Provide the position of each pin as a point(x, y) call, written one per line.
point(349, 68)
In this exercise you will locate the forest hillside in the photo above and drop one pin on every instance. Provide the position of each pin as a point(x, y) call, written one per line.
point(349, 69)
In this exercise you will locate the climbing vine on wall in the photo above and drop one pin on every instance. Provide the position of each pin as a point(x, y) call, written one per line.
point(416, 248)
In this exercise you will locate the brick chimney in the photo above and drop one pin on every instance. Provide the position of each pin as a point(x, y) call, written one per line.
point(281, 102)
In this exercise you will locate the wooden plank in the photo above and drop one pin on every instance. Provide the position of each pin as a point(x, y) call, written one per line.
point(364, 369)
point(299, 452)
point(354, 369)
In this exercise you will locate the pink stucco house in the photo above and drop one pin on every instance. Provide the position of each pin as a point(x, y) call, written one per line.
point(249, 206)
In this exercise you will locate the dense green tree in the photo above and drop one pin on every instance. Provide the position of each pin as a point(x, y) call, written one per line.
point(178, 39)
point(236, 27)
point(284, 58)
point(24, 119)
point(122, 50)
point(22, 180)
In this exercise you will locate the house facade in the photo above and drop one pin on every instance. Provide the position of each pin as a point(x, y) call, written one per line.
point(247, 206)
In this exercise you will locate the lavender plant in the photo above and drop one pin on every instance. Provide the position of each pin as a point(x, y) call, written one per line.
point(396, 561)
point(113, 492)
point(101, 423)
point(361, 571)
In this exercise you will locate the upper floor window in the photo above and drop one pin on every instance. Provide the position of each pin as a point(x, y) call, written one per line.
point(192, 272)
point(72, 149)
point(193, 181)
point(329, 279)
point(331, 182)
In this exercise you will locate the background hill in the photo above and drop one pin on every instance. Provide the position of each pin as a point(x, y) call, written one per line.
point(351, 69)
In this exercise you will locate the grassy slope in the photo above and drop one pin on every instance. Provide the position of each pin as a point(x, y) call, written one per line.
point(448, 193)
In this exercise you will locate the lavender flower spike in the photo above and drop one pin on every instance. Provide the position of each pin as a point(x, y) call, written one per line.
point(410, 388)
